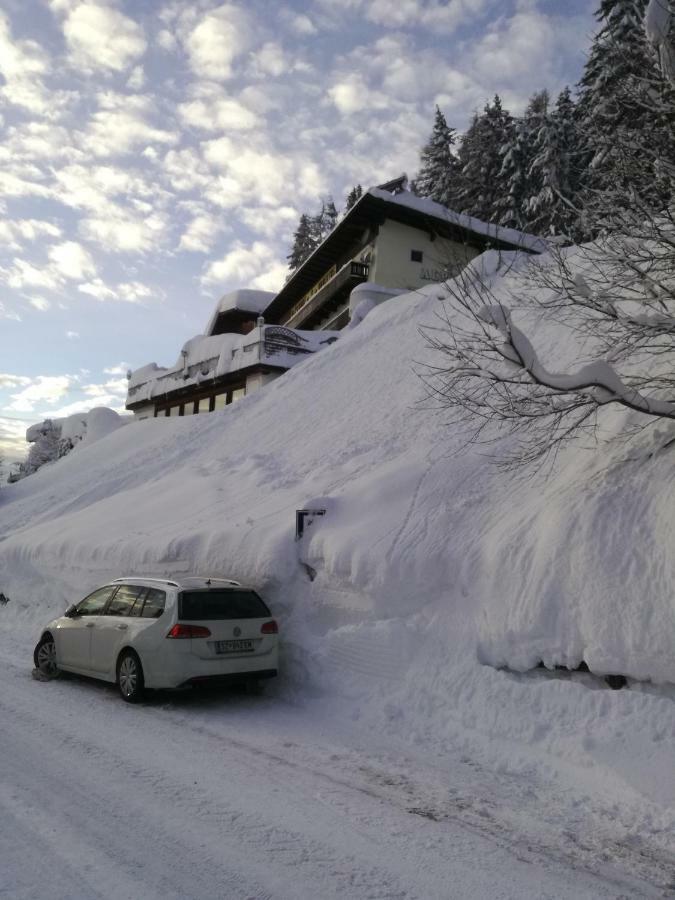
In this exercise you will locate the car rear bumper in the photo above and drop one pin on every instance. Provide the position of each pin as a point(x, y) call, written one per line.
point(182, 667)
point(231, 678)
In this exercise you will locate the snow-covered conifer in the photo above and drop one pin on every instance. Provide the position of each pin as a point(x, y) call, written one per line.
point(481, 161)
point(552, 207)
point(517, 181)
point(618, 117)
point(304, 243)
point(438, 177)
point(353, 197)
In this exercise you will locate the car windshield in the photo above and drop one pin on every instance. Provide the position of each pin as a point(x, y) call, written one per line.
point(221, 604)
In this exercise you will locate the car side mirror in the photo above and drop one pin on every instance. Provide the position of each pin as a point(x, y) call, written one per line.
point(71, 612)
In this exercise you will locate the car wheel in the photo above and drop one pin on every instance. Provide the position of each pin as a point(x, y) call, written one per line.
point(44, 656)
point(130, 677)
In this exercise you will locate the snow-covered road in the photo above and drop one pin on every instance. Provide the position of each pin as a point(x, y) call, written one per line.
point(230, 796)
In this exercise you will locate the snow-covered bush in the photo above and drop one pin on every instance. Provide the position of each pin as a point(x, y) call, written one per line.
point(54, 438)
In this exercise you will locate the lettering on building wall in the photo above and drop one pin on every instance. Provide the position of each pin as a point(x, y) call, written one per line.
point(429, 274)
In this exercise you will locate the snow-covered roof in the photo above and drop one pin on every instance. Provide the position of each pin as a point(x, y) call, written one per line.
point(377, 204)
point(243, 300)
point(206, 357)
point(429, 207)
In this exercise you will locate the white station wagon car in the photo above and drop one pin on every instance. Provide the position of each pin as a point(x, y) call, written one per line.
point(160, 633)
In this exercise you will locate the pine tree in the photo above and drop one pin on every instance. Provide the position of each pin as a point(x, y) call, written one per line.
point(554, 208)
point(329, 217)
point(617, 114)
point(481, 161)
point(438, 177)
point(353, 197)
point(46, 448)
point(516, 179)
point(304, 243)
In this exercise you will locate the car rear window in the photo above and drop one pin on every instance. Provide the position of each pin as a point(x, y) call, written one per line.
point(221, 604)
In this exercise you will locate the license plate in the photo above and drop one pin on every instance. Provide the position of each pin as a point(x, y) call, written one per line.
point(233, 646)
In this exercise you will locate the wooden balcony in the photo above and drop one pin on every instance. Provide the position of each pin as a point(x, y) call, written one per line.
point(316, 305)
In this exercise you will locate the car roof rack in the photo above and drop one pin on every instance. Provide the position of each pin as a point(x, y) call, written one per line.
point(145, 578)
point(211, 578)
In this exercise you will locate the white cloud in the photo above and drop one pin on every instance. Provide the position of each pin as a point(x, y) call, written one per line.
point(250, 173)
point(217, 40)
point(128, 292)
point(97, 289)
point(40, 303)
point(43, 389)
point(302, 25)
point(101, 37)
point(436, 15)
point(72, 260)
point(241, 265)
point(272, 279)
point(202, 232)
point(270, 59)
point(122, 124)
point(23, 63)
point(72, 335)
point(270, 221)
point(137, 79)
point(24, 274)
point(166, 40)
point(13, 438)
point(218, 114)
point(121, 231)
point(13, 380)
point(120, 369)
point(14, 233)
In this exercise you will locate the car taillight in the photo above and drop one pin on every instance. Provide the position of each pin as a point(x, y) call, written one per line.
point(188, 631)
point(270, 628)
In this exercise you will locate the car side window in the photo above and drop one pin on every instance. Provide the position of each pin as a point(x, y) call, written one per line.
point(154, 604)
point(137, 608)
point(124, 600)
point(94, 604)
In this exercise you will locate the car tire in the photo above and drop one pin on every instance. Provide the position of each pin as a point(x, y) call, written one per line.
point(44, 656)
point(130, 681)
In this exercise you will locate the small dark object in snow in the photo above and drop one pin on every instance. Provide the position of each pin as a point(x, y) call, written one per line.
point(304, 517)
point(311, 573)
point(39, 675)
point(616, 682)
point(3, 598)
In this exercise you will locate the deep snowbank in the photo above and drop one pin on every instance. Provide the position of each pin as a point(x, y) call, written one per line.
point(429, 561)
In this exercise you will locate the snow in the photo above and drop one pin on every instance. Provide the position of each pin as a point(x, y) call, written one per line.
point(439, 582)
point(86, 427)
point(519, 239)
point(204, 357)
point(244, 299)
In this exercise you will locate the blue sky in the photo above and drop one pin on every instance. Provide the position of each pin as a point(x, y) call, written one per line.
point(155, 155)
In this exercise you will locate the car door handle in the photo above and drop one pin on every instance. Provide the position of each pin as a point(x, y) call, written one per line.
point(122, 627)
point(89, 625)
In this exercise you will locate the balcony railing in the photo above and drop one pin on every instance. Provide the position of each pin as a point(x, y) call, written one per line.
point(327, 286)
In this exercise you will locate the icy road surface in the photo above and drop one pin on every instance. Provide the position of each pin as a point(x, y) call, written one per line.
point(248, 798)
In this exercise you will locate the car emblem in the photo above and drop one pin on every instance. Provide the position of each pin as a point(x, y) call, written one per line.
point(237, 631)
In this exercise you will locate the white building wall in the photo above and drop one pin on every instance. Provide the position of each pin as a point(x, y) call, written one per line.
point(393, 267)
point(147, 411)
point(253, 382)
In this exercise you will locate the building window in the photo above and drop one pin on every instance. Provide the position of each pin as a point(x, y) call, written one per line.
point(238, 393)
point(221, 400)
point(204, 405)
point(174, 411)
point(416, 255)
